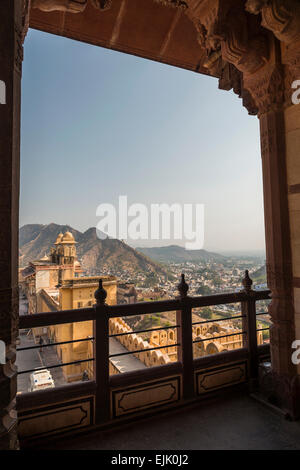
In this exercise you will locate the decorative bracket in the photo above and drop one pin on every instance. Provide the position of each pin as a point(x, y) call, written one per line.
point(71, 6)
point(229, 33)
point(282, 17)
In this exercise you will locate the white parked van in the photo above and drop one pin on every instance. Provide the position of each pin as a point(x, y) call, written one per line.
point(41, 379)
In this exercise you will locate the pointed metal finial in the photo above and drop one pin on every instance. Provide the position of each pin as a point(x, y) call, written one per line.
point(247, 282)
point(100, 294)
point(182, 287)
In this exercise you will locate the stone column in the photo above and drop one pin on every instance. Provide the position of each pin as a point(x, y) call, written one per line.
point(268, 88)
point(292, 120)
point(280, 134)
point(291, 60)
point(10, 76)
point(278, 247)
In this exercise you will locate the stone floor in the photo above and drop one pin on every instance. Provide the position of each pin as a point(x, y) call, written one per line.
point(234, 423)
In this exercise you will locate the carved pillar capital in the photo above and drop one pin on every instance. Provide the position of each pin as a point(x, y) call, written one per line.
point(232, 79)
point(282, 17)
point(262, 91)
point(229, 33)
point(238, 33)
point(266, 88)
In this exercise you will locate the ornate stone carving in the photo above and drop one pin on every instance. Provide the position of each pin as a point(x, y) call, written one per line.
point(291, 58)
point(266, 87)
point(246, 59)
point(226, 30)
point(25, 18)
point(249, 103)
point(19, 38)
point(102, 4)
point(282, 17)
point(72, 6)
point(255, 6)
point(232, 78)
point(174, 3)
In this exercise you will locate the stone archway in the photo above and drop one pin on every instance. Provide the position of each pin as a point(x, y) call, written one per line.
point(253, 48)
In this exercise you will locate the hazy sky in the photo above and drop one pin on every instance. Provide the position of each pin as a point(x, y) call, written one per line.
point(97, 124)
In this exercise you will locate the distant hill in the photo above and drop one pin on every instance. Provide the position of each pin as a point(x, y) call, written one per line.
point(96, 254)
point(178, 254)
point(36, 239)
point(260, 276)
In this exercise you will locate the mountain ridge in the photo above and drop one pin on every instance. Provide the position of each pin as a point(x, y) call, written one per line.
point(178, 254)
point(97, 255)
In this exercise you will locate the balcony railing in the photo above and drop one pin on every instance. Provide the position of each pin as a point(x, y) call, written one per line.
point(186, 366)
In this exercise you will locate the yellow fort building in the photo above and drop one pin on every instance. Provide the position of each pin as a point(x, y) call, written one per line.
point(55, 283)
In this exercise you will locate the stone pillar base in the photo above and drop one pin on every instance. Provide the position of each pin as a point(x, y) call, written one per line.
point(281, 391)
